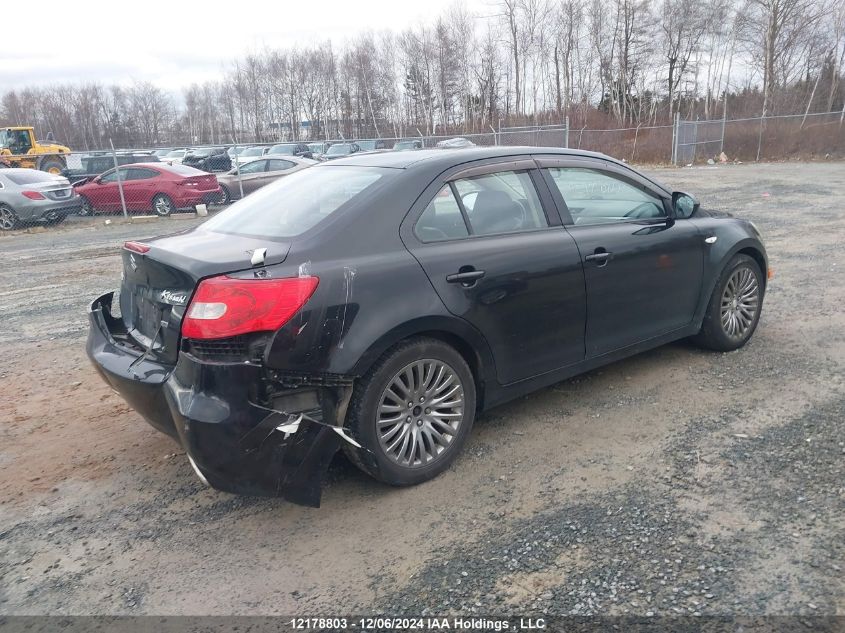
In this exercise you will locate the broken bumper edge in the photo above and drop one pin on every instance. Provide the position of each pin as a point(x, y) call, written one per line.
point(246, 430)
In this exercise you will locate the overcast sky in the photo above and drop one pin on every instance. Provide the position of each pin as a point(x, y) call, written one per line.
point(175, 43)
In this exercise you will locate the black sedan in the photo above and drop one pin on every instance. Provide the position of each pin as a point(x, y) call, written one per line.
point(379, 302)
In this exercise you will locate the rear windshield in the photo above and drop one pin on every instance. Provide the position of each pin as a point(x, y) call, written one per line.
point(184, 170)
point(294, 204)
point(31, 177)
point(340, 149)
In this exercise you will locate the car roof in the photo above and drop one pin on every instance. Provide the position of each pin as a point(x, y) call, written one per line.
point(449, 157)
point(13, 171)
point(442, 159)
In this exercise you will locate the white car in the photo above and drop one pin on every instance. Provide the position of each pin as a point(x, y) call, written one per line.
point(174, 157)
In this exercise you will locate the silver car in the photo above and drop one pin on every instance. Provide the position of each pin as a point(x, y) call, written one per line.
point(29, 195)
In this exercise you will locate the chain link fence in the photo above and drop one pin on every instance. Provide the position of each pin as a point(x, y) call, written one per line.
point(226, 173)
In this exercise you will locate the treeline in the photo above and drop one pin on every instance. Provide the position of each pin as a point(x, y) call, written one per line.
point(603, 63)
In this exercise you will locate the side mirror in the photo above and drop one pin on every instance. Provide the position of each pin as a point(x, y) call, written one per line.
point(684, 204)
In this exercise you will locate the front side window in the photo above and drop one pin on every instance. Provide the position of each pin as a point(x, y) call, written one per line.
point(253, 167)
point(111, 176)
point(291, 205)
point(502, 202)
point(596, 197)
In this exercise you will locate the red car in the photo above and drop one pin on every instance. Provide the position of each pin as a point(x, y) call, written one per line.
point(158, 187)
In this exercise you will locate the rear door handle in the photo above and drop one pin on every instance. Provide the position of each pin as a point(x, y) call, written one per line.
point(467, 277)
point(600, 258)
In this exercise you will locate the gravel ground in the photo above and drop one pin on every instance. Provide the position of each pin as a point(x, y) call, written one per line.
point(676, 482)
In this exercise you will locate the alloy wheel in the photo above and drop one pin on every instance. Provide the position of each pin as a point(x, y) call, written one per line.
point(163, 205)
point(740, 302)
point(420, 412)
point(8, 220)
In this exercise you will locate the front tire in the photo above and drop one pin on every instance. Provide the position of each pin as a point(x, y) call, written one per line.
point(8, 219)
point(734, 309)
point(163, 205)
point(52, 166)
point(412, 412)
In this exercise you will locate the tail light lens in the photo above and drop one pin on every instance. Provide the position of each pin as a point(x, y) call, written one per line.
point(223, 306)
point(33, 195)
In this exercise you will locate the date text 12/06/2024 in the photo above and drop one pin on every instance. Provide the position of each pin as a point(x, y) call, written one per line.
point(419, 624)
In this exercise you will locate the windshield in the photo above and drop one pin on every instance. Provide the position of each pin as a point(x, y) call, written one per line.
point(201, 152)
point(252, 151)
point(292, 205)
point(176, 153)
point(161, 152)
point(405, 145)
point(287, 150)
point(339, 150)
point(16, 140)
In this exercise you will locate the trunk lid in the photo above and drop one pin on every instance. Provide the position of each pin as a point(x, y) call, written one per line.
point(205, 182)
point(158, 285)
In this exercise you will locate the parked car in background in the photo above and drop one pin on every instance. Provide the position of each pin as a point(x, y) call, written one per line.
point(96, 164)
point(251, 153)
point(339, 150)
point(407, 144)
point(28, 195)
point(318, 149)
point(174, 156)
point(257, 173)
point(209, 159)
point(370, 145)
point(455, 143)
point(414, 312)
point(291, 149)
point(160, 153)
point(157, 187)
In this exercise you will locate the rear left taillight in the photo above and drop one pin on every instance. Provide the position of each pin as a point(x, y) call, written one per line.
point(224, 306)
point(33, 195)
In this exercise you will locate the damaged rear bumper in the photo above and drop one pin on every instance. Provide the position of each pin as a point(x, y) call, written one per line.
point(246, 429)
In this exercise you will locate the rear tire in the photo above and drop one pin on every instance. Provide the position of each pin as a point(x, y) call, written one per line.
point(8, 219)
point(86, 209)
point(163, 205)
point(734, 309)
point(225, 195)
point(58, 219)
point(429, 429)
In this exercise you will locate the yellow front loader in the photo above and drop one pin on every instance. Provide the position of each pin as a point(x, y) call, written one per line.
point(18, 148)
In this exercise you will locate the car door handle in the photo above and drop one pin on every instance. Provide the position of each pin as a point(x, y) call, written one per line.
point(600, 258)
point(467, 277)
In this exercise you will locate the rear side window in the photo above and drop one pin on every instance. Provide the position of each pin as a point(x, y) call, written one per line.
point(291, 205)
point(137, 173)
point(280, 165)
point(503, 202)
point(596, 197)
point(442, 219)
